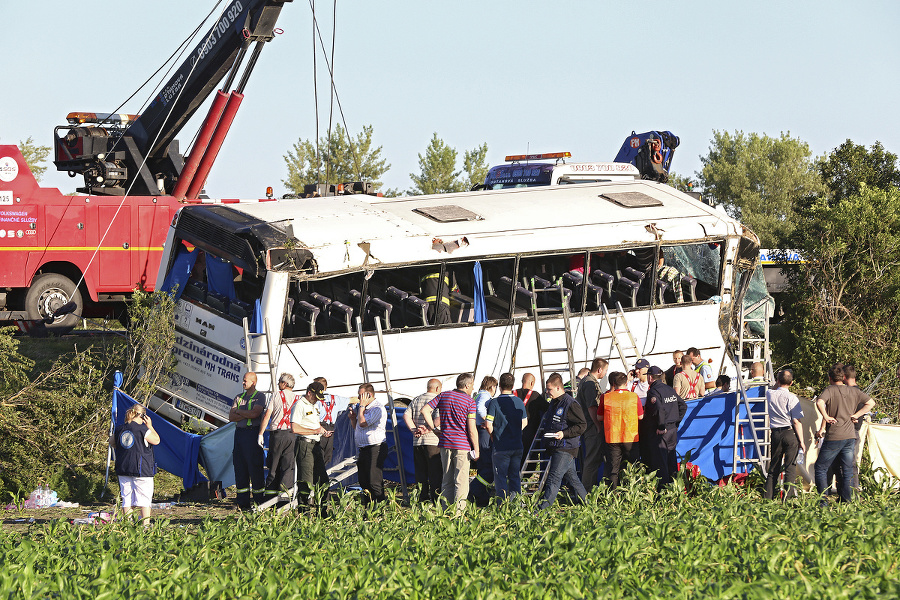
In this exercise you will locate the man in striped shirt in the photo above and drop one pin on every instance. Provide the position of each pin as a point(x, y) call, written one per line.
point(458, 438)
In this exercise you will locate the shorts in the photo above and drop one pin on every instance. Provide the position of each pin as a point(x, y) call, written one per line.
point(136, 491)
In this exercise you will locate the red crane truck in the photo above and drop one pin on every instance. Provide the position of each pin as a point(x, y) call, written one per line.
point(100, 244)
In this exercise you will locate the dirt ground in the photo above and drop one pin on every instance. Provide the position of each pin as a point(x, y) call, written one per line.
point(178, 514)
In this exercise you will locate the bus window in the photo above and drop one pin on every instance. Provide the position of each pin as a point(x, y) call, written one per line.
point(552, 273)
point(496, 287)
point(219, 286)
point(689, 273)
point(623, 276)
point(325, 306)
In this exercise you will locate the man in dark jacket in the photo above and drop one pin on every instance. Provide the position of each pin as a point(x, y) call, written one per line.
point(664, 410)
point(563, 425)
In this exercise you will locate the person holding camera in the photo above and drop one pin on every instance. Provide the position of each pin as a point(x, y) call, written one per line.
point(135, 464)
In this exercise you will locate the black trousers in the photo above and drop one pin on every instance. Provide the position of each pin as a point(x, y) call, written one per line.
point(281, 460)
point(248, 466)
point(785, 447)
point(371, 471)
point(327, 444)
point(615, 454)
point(646, 442)
point(429, 474)
point(665, 461)
point(592, 457)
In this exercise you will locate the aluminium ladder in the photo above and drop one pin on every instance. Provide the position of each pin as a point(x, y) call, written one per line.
point(752, 434)
point(254, 364)
point(629, 354)
point(381, 378)
point(752, 347)
point(548, 338)
point(550, 344)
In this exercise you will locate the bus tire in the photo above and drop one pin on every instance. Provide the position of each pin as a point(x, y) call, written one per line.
point(48, 292)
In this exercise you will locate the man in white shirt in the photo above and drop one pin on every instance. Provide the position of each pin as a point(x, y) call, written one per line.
point(281, 458)
point(369, 421)
point(785, 414)
point(305, 423)
point(702, 367)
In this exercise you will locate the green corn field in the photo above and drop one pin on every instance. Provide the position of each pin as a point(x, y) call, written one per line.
point(714, 542)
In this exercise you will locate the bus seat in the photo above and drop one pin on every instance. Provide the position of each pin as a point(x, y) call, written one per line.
point(241, 309)
point(323, 303)
point(307, 315)
point(341, 317)
point(627, 291)
point(595, 295)
point(415, 311)
point(574, 284)
point(605, 281)
point(633, 274)
point(395, 297)
point(523, 298)
point(689, 285)
point(218, 302)
point(377, 308)
point(662, 287)
point(356, 302)
point(195, 290)
point(462, 308)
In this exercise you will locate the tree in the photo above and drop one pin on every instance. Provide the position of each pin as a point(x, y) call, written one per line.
point(342, 158)
point(759, 179)
point(437, 169)
point(475, 165)
point(845, 297)
point(850, 165)
point(35, 156)
point(683, 183)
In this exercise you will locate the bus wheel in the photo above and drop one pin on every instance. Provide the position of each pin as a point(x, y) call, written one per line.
point(48, 292)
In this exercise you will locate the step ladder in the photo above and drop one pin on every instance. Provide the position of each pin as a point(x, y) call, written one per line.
point(752, 433)
point(252, 357)
point(534, 469)
point(554, 342)
point(626, 347)
point(374, 366)
point(339, 473)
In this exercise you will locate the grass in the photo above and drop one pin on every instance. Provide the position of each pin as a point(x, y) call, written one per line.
point(722, 543)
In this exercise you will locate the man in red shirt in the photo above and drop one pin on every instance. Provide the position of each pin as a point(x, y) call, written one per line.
point(618, 415)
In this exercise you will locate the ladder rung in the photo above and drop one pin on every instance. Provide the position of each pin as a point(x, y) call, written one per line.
point(549, 329)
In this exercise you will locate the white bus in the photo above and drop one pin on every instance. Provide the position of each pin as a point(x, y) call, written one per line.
point(426, 265)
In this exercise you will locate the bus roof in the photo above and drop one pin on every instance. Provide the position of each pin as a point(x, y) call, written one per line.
point(350, 232)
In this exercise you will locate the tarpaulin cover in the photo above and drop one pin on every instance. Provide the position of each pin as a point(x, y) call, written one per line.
point(181, 271)
point(480, 305)
point(216, 451)
point(345, 447)
point(707, 432)
point(884, 450)
point(177, 451)
point(219, 276)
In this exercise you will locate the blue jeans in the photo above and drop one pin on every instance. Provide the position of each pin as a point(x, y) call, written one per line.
point(561, 470)
point(841, 450)
point(507, 478)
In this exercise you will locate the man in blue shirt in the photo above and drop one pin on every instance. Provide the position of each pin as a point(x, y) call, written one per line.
point(505, 420)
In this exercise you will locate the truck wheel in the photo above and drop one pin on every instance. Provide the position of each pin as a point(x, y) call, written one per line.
point(47, 293)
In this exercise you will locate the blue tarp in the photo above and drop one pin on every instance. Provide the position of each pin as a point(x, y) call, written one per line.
point(180, 272)
point(177, 451)
point(216, 451)
point(345, 447)
point(219, 277)
point(707, 432)
point(480, 305)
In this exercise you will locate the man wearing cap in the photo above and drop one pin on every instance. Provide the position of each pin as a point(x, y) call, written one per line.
point(246, 413)
point(664, 410)
point(639, 383)
point(305, 423)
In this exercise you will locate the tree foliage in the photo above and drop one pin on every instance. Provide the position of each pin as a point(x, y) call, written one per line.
point(438, 173)
point(759, 179)
point(851, 165)
point(845, 297)
point(341, 158)
point(35, 155)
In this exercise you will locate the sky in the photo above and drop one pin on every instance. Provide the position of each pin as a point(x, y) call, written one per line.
point(521, 76)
